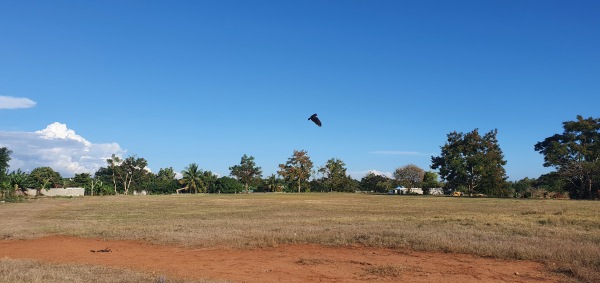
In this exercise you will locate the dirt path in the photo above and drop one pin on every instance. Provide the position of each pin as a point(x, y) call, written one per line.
point(289, 263)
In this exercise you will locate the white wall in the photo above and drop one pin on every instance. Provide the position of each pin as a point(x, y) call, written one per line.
point(68, 192)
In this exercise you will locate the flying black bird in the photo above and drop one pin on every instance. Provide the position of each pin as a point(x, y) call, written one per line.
point(314, 118)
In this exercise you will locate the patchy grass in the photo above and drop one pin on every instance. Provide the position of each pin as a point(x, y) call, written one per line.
point(563, 233)
point(25, 271)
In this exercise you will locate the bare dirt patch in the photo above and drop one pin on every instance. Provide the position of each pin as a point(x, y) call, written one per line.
point(286, 263)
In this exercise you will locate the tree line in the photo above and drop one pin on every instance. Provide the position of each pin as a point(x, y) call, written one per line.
point(468, 162)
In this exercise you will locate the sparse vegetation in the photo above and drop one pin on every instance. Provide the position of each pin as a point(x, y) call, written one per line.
point(564, 234)
point(26, 271)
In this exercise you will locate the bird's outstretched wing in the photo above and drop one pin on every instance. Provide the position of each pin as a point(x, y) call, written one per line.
point(316, 120)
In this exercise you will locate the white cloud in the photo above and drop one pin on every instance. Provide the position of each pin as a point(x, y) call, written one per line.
point(398, 152)
point(9, 102)
point(385, 174)
point(59, 148)
point(360, 174)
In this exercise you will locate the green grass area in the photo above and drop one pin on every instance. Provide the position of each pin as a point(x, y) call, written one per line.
point(563, 233)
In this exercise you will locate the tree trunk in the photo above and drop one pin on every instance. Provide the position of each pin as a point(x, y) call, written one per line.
point(129, 182)
point(114, 179)
point(589, 189)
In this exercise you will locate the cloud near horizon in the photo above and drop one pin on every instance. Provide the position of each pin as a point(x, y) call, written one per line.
point(398, 152)
point(9, 102)
point(358, 175)
point(59, 148)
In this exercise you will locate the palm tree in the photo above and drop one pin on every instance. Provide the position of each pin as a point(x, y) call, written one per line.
point(192, 177)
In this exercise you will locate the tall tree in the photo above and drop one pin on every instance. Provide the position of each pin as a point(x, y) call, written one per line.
point(166, 174)
point(113, 164)
point(209, 179)
point(18, 179)
point(472, 162)
point(44, 178)
point(192, 177)
point(523, 187)
point(227, 185)
point(376, 183)
point(246, 172)
point(81, 180)
point(576, 155)
point(274, 184)
point(409, 176)
point(4, 159)
point(334, 174)
point(297, 169)
point(430, 180)
point(104, 177)
point(5, 185)
point(164, 182)
point(130, 169)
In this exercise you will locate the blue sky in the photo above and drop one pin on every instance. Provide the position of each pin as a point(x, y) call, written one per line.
point(180, 82)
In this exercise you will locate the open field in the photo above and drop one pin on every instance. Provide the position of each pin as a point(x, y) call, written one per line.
point(562, 234)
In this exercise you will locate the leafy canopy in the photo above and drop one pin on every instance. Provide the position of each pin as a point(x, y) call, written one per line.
point(246, 172)
point(576, 155)
point(297, 169)
point(472, 163)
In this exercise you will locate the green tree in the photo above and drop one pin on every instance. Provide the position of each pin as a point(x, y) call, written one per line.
point(103, 178)
point(209, 179)
point(44, 178)
point(18, 179)
point(132, 168)
point(523, 187)
point(227, 185)
point(271, 184)
point(297, 169)
point(165, 182)
point(113, 165)
point(82, 180)
point(95, 186)
point(409, 176)
point(334, 175)
point(430, 181)
point(192, 177)
point(246, 172)
point(5, 186)
point(166, 174)
point(376, 183)
point(551, 182)
point(473, 162)
point(575, 154)
point(4, 159)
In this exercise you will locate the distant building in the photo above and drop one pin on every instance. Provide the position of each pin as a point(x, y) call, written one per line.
point(415, 191)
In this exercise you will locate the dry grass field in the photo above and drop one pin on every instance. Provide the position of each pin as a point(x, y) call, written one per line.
point(563, 234)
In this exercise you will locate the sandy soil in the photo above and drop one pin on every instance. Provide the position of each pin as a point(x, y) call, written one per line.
point(289, 263)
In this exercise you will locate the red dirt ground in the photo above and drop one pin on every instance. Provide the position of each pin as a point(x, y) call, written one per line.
point(286, 263)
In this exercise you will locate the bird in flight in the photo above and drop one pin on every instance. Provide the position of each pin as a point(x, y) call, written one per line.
point(314, 118)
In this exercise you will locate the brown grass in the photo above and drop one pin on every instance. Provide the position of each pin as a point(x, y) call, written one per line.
point(25, 271)
point(563, 233)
